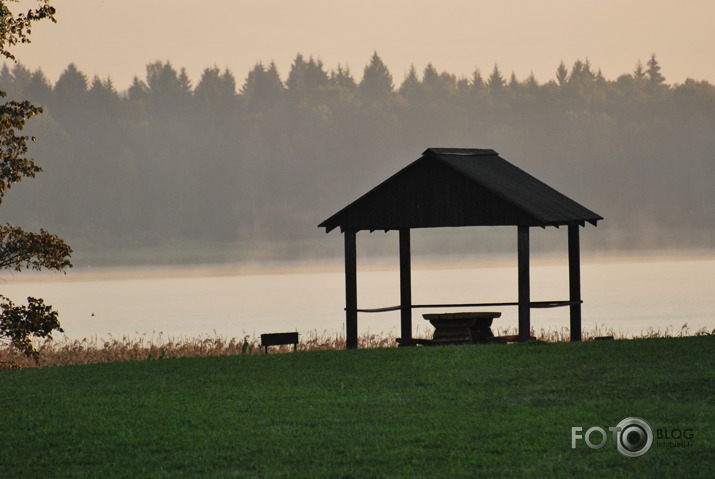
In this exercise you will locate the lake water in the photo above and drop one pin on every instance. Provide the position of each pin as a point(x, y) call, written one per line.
point(628, 296)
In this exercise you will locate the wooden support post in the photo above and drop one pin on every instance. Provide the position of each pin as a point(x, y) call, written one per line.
point(405, 285)
point(351, 333)
point(575, 281)
point(524, 288)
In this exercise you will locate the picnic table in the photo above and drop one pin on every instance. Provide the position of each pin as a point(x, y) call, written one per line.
point(460, 328)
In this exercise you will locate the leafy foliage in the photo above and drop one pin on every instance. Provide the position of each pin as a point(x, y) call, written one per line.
point(19, 324)
point(13, 165)
point(17, 29)
point(20, 249)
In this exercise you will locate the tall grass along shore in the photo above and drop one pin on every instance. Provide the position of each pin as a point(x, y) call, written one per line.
point(65, 352)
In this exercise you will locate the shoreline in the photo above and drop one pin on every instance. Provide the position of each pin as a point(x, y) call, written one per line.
point(434, 262)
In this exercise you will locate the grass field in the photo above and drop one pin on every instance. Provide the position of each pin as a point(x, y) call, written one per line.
point(464, 411)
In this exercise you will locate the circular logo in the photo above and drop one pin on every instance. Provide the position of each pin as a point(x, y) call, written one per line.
point(634, 438)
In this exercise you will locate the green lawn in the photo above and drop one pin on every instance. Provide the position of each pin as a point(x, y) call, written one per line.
point(469, 411)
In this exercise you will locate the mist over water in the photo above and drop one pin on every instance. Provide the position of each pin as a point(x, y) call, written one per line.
point(626, 296)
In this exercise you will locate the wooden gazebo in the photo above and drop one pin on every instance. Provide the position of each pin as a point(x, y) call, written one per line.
point(450, 187)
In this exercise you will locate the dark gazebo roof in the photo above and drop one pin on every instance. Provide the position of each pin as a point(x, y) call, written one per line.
point(459, 187)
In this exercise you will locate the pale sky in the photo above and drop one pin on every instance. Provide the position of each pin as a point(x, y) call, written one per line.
point(118, 38)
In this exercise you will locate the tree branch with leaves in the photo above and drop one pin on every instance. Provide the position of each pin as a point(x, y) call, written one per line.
point(16, 29)
point(20, 249)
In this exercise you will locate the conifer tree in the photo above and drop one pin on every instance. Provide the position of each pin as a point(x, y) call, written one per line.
point(216, 91)
point(562, 75)
point(184, 83)
point(410, 87)
point(376, 80)
point(496, 81)
point(430, 77)
point(39, 89)
point(477, 84)
point(102, 92)
point(639, 75)
point(342, 78)
point(263, 87)
point(653, 72)
point(137, 91)
point(71, 85)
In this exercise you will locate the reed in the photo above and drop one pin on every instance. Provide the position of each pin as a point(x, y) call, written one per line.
point(154, 346)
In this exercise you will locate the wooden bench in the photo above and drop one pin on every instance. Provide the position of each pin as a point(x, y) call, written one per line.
point(279, 339)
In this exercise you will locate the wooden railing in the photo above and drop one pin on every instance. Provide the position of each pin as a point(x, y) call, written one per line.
point(533, 304)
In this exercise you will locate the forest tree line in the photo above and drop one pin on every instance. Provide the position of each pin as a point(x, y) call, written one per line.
point(264, 160)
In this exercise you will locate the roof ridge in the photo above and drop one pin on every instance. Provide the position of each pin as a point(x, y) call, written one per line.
point(460, 151)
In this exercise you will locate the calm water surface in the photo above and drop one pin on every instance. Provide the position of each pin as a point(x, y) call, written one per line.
point(626, 296)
